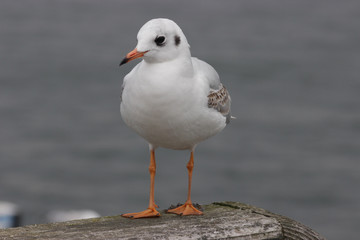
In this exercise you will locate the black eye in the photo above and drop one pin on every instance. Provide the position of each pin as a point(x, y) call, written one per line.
point(159, 40)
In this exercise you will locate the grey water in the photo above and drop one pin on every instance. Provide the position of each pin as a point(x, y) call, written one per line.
point(292, 69)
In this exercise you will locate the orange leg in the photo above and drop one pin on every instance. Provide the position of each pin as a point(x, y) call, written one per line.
point(188, 208)
point(150, 211)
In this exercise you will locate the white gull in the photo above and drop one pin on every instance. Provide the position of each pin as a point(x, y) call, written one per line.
point(171, 99)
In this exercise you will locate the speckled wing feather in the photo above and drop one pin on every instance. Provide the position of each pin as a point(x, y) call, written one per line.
point(220, 100)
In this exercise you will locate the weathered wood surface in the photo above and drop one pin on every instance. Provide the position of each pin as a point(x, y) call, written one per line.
point(223, 220)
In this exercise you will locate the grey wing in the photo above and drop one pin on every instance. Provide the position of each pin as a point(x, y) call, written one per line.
point(121, 91)
point(218, 97)
point(127, 78)
point(123, 86)
point(220, 100)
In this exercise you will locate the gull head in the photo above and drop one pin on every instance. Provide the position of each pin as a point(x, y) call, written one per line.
point(159, 40)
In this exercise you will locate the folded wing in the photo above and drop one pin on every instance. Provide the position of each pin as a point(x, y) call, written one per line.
point(220, 100)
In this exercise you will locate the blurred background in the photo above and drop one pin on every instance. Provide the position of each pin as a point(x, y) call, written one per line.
point(292, 68)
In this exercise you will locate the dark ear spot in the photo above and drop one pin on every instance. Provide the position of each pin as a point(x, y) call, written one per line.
point(177, 40)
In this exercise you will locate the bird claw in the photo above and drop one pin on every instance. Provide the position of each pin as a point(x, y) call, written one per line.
point(150, 212)
point(185, 210)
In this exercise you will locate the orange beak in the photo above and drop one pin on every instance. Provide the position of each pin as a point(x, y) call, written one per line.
point(132, 55)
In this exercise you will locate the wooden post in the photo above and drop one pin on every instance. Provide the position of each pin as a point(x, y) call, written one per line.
point(221, 220)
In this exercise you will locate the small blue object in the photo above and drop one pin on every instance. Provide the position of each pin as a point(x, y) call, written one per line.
point(9, 215)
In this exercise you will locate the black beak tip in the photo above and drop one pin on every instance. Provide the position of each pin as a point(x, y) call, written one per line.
point(125, 60)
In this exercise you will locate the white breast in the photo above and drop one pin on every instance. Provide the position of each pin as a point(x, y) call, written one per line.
point(169, 111)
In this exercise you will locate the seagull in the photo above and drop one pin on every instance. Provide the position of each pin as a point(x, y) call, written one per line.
point(172, 100)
